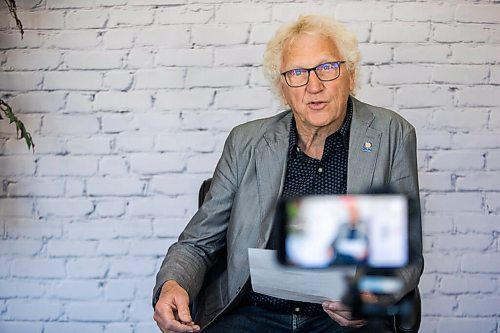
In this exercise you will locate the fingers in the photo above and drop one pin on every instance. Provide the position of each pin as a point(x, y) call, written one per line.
point(182, 304)
point(342, 314)
point(165, 318)
point(336, 306)
point(178, 331)
point(172, 310)
point(342, 321)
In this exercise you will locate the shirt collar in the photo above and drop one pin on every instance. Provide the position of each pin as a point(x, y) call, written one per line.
point(344, 130)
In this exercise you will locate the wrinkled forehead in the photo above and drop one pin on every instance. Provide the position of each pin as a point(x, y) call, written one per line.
point(296, 36)
point(307, 49)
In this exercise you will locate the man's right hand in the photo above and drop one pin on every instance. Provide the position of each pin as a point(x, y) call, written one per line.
point(172, 310)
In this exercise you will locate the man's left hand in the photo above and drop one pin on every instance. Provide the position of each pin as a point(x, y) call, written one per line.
point(342, 314)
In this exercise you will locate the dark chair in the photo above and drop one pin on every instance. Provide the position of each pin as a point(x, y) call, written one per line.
point(407, 323)
point(410, 322)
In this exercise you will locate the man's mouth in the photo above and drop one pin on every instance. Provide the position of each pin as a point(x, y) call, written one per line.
point(317, 105)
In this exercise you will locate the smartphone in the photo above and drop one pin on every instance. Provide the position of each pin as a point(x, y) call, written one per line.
point(344, 230)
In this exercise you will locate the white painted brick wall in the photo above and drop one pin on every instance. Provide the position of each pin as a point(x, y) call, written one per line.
point(130, 101)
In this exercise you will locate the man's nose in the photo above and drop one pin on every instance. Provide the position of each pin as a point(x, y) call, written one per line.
point(315, 84)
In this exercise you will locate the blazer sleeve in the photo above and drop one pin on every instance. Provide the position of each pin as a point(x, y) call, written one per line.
point(196, 250)
point(404, 178)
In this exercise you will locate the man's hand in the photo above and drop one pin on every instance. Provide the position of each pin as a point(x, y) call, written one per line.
point(172, 310)
point(342, 314)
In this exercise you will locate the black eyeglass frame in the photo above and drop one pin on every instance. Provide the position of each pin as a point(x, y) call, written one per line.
point(313, 69)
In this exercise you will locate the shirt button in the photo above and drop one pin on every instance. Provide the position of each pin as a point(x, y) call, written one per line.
point(297, 309)
point(320, 169)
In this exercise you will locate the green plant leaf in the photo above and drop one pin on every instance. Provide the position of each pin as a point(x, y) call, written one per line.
point(21, 131)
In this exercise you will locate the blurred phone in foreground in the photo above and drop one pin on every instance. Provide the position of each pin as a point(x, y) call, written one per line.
point(344, 230)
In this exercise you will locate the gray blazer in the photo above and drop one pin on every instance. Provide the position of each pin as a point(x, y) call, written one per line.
point(239, 208)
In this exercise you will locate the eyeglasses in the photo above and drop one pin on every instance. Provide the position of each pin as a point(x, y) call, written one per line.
point(299, 77)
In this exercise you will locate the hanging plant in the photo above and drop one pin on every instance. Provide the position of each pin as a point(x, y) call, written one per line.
point(11, 4)
point(21, 131)
point(5, 109)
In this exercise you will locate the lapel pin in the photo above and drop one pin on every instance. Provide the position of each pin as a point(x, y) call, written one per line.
point(367, 147)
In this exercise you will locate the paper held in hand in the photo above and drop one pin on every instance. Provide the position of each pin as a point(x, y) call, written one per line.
point(315, 286)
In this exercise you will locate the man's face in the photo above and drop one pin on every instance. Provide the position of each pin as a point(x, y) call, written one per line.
point(319, 104)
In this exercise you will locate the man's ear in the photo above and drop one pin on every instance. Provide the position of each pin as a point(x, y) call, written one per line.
point(284, 101)
point(352, 81)
point(282, 94)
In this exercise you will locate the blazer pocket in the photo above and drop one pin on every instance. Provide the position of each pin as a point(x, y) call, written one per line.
point(215, 287)
point(213, 301)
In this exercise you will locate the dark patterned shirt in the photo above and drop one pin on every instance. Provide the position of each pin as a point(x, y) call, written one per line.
point(308, 176)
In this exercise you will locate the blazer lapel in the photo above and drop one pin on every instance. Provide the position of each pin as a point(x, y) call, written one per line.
point(271, 159)
point(364, 143)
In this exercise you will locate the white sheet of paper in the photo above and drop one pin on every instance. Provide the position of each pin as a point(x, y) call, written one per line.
point(314, 286)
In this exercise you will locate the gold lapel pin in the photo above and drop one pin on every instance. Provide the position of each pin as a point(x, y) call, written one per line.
point(367, 147)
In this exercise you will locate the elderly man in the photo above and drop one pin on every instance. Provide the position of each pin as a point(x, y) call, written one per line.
point(328, 142)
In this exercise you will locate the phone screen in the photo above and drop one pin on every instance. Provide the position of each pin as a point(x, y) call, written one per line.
point(325, 231)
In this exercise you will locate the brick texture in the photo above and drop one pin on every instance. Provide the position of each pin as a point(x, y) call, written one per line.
point(130, 102)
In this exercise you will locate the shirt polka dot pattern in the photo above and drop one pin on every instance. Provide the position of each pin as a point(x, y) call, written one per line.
point(308, 176)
